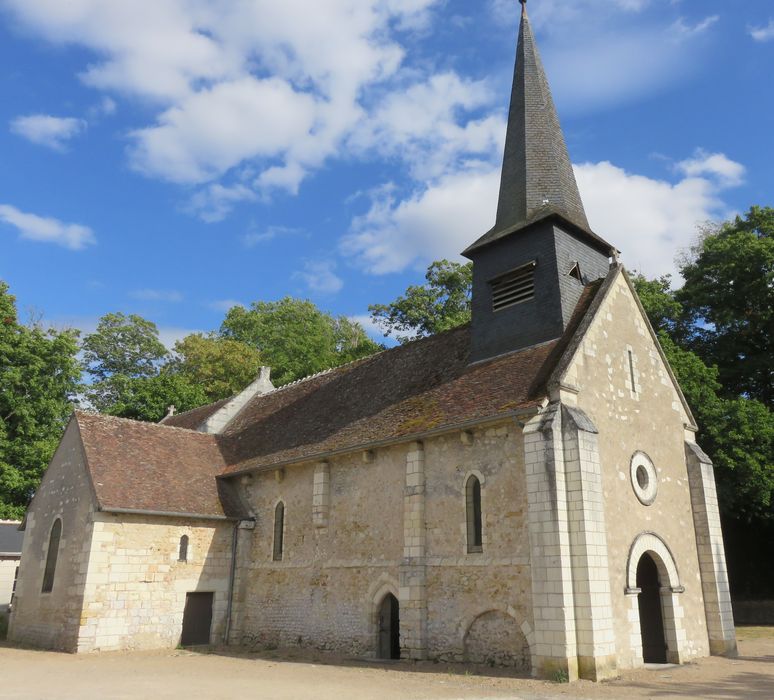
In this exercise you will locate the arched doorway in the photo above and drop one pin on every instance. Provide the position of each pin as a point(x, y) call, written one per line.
point(389, 628)
point(654, 648)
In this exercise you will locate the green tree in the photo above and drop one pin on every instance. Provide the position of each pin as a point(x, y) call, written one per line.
point(295, 338)
point(39, 376)
point(729, 297)
point(443, 302)
point(221, 366)
point(122, 348)
point(737, 433)
point(148, 398)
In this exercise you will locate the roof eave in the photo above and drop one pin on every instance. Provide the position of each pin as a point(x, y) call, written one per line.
point(530, 408)
point(492, 236)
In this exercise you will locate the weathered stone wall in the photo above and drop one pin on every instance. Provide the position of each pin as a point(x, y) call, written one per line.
point(334, 570)
point(135, 588)
point(463, 587)
point(647, 416)
point(8, 567)
point(51, 620)
point(353, 533)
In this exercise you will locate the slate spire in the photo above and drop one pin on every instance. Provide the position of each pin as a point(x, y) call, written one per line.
point(537, 178)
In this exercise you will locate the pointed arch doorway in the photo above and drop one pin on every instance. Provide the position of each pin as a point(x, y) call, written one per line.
point(389, 628)
point(654, 647)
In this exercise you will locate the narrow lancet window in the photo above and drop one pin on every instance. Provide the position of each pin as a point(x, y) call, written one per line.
point(631, 372)
point(183, 551)
point(53, 553)
point(279, 530)
point(473, 514)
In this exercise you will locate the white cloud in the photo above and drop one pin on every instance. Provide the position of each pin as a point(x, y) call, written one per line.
point(278, 84)
point(436, 222)
point(45, 130)
point(427, 126)
point(320, 277)
point(169, 335)
point(216, 129)
point(650, 220)
point(681, 27)
point(763, 33)
point(215, 202)
point(47, 229)
point(165, 295)
point(728, 172)
point(253, 238)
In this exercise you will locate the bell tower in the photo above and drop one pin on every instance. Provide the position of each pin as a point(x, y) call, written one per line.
point(529, 270)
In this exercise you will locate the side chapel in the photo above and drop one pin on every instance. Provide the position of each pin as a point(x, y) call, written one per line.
point(524, 490)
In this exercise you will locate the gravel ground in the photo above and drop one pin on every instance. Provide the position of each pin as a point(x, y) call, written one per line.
point(32, 675)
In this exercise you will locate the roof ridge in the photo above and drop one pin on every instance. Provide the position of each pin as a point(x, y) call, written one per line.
point(309, 377)
point(105, 416)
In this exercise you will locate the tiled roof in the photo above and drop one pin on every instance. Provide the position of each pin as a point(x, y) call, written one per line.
point(151, 467)
point(399, 394)
point(10, 538)
point(194, 418)
point(413, 389)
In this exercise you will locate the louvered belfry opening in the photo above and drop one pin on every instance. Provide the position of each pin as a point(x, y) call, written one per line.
point(514, 287)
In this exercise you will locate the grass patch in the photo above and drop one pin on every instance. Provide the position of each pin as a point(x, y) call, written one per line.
point(747, 633)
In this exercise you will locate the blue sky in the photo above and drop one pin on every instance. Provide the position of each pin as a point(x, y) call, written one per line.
point(173, 157)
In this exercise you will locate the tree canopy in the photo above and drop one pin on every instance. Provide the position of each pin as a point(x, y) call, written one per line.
point(39, 376)
point(443, 302)
point(295, 338)
point(728, 296)
point(220, 366)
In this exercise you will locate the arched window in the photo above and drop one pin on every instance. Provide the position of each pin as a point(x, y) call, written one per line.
point(53, 552)
point(183, 551)
point(279, 530)
point(473, 514)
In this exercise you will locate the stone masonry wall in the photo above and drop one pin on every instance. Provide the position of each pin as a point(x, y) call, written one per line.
point(135, 589)
point(50, 620)
point(646, 417)
point(346, 545)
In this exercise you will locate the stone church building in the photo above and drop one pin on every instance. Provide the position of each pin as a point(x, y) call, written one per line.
point(524, 490)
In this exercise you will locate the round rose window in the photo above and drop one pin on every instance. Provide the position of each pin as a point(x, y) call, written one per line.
point(644, 478)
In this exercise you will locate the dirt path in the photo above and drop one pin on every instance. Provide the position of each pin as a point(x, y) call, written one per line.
point(36, 675)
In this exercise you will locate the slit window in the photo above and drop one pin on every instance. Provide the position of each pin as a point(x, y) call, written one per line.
point(279, 530)
point(473, 514)
point(53, 553)
point(182, 554)
point(514, 287)
point(631, 372)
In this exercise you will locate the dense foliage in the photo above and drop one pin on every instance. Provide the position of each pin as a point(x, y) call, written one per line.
point(443, 302)
point(295, 338)
point(39, 377)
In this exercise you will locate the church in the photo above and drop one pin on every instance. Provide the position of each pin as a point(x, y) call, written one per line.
point(525, 490)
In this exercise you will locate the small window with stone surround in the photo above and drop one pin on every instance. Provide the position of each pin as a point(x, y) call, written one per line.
point(473, 514)
point(182, 553)
point(53, 553)
point(279, 531)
